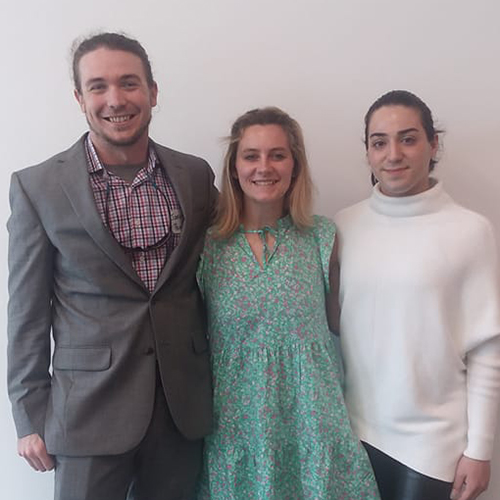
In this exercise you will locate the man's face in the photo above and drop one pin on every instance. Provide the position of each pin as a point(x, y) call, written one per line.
point(116, 98)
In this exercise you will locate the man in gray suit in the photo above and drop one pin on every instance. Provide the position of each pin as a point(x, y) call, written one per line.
point(104, 243)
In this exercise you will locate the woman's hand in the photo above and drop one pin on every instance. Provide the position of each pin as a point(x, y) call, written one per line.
point(471, 478)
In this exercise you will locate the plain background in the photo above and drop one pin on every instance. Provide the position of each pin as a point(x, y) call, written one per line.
point(322, 61)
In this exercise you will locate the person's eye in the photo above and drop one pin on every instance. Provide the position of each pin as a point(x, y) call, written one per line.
point(378, 144)
point(278, 156)
point(409, 139)
point(251, 157)
point(97, 87)
point(130, 85)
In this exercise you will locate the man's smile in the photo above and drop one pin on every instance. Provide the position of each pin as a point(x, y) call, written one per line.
point(118, 119)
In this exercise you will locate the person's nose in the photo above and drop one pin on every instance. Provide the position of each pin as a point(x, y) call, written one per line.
point(115, 97)
point(264, 163)
point(395, 153)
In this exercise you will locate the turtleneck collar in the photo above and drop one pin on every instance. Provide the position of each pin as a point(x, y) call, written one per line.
point(423, 203)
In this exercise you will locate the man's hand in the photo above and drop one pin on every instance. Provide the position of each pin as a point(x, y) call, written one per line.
point(471, 478)
point(32, 449)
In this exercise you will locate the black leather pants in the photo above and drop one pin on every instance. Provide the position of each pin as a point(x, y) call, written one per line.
point(398, 482)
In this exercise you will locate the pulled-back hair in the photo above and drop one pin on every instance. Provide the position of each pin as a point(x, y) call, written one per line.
point(112, 41)
point(409, 100)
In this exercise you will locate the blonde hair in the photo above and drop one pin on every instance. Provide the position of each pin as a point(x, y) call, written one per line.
point(298, 199)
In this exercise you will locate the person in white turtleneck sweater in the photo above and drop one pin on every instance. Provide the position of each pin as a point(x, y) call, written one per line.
point(420, 317)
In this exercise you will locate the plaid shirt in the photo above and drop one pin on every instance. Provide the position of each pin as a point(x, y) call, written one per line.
point(144, 217)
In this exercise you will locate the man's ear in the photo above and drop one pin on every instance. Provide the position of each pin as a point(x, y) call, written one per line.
point(79, 98)
point(154, 94)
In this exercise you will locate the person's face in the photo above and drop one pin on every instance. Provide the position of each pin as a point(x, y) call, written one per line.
point(399, 152)
point(115, 97)
point(264, 166)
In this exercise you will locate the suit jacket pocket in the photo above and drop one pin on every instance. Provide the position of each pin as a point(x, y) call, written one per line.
point(82, 358)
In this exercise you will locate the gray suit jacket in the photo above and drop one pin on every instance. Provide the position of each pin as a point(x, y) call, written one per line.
point(68, 276)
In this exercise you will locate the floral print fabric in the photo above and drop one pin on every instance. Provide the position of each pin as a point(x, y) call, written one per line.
point(281, 429)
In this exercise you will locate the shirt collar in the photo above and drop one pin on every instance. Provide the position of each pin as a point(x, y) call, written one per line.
point(95, 165)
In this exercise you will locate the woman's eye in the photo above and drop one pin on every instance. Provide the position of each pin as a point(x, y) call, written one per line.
point(409, 140)
point(378, 144)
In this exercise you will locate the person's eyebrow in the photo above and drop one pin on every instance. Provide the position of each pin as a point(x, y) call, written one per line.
point(277, 148)
point(408, 130)
point(129, 76)
point(400, 132)
point(377, 134)
point(94, 80)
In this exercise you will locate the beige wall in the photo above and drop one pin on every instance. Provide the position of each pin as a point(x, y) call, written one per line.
point(324, 61)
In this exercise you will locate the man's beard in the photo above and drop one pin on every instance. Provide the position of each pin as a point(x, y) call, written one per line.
point(126, 142)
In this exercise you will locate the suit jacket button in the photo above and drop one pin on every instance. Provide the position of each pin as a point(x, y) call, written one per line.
point(149, 351)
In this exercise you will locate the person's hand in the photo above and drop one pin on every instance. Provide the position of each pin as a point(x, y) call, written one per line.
point(471, 478)
point(32, 449)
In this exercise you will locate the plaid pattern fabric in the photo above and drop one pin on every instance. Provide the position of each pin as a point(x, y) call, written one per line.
point(144, 217)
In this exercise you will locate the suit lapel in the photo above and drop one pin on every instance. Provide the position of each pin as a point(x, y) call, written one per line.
point(74, 179)
point(179, 176)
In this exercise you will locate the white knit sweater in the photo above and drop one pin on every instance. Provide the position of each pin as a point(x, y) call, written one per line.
point(420, 328)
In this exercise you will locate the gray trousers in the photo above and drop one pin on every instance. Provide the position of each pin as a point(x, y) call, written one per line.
point(164, 466)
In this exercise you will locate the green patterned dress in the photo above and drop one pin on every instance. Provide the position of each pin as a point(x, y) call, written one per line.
point(281, 429)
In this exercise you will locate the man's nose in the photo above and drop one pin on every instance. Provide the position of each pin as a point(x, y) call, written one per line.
point(115, 97)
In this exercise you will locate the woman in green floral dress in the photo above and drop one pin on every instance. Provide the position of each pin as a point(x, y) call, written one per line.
point(281, 429)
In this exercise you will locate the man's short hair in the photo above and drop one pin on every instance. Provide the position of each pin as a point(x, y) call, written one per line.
point(112, 41)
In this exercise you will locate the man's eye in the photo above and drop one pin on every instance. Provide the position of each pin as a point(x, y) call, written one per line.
point(378, 144)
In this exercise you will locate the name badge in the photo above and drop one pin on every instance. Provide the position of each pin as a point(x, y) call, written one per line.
point(176, 220)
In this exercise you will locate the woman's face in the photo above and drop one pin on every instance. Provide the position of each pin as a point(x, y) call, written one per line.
point(399, 152)
point(264, 166)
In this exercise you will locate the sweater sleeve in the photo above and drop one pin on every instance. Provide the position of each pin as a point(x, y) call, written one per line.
point(480, 296)
point(483, 396)
point(482, 345)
